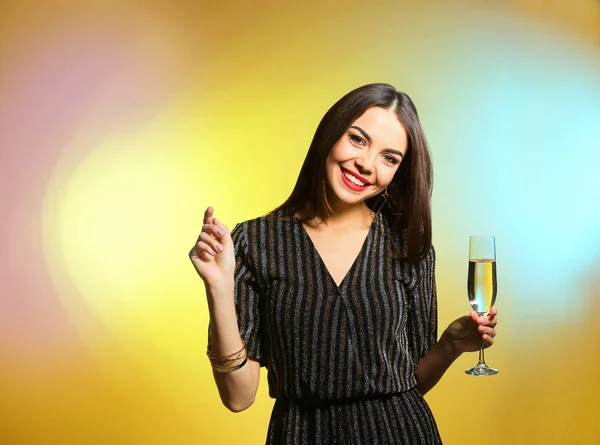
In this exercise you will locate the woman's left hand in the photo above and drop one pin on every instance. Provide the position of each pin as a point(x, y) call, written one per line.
point(466, 334)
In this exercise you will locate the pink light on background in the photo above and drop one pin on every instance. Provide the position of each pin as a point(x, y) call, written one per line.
point(69, 87)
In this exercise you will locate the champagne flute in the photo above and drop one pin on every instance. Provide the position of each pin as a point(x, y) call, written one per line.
point(482, 287)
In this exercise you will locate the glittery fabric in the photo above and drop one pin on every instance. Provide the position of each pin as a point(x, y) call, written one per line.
point(342, 360)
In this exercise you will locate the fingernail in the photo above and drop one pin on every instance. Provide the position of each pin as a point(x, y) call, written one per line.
point(481, 320)
point(220, 232)
point(212, 252)
point(481, 329)
point(219, 248)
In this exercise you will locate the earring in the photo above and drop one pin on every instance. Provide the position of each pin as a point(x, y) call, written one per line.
point(383, 199)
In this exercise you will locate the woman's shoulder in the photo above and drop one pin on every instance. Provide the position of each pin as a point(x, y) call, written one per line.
point(254, 238)
point(257, 227)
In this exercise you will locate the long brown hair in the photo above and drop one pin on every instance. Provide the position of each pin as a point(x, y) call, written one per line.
point(410, 211)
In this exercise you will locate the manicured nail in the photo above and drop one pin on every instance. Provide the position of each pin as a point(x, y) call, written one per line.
point(219, 248)
point(212, 252)
point(220, 232)
point(481, 320)
point(481, 328)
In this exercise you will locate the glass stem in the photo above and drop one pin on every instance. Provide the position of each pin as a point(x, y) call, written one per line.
point(481, 358)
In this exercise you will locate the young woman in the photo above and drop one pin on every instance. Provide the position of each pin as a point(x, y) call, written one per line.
point(334, 291)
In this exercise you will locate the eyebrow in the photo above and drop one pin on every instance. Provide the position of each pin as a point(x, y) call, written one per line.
point(368, 138)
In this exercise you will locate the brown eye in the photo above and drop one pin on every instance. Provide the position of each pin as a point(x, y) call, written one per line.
point(357, 139)
point(390, 159)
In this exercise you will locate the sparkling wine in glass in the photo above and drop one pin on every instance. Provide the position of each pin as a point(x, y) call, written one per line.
point(482, 287)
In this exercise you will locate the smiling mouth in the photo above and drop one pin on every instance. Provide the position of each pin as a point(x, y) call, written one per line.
point(353, 180)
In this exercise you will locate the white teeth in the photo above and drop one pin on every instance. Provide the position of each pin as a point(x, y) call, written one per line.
point(354, 180)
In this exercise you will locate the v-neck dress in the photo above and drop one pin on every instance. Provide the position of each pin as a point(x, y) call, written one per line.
point(342, 360)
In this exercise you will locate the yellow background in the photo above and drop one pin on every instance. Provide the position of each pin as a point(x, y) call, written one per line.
point(121, 121)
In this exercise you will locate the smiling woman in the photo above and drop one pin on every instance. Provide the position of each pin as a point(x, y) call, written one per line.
point(336, 297)
point(358, 150)
point(392, 119)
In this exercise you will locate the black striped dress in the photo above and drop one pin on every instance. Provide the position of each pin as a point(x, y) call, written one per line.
point(342, 361)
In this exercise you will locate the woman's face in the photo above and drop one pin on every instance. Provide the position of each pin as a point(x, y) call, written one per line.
point(363, 162)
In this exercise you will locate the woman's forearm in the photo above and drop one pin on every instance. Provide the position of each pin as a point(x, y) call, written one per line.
point(238, 388)
point(433, 365)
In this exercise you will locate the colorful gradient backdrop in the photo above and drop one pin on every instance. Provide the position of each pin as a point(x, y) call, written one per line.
point(120, 122)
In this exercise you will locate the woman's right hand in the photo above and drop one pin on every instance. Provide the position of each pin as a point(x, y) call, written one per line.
point(213, 255)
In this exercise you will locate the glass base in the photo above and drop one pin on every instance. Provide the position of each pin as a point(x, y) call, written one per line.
point(481, 370)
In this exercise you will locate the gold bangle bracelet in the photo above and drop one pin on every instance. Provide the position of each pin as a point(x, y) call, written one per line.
point(227, 363)
point(223, 370)
point(225, 357)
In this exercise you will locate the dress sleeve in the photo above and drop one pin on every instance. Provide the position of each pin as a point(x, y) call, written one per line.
point(247, 295)
point(423, 317)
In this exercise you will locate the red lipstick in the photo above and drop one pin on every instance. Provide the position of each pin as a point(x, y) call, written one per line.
point(350, 184)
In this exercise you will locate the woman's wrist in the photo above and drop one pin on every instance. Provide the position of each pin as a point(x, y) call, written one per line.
point(220, 302)
point(220, 290)
point(448, 348)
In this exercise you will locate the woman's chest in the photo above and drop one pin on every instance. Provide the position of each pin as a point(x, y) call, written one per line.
point(305, 292)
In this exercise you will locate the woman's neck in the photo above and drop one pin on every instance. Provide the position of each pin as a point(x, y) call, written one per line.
point(345, 217)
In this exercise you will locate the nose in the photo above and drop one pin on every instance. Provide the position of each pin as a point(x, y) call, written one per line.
point(365, 163)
